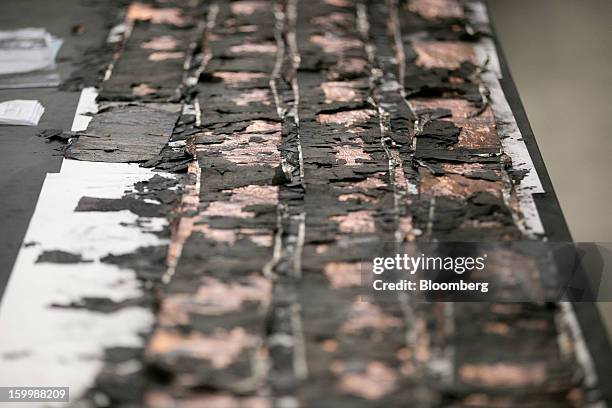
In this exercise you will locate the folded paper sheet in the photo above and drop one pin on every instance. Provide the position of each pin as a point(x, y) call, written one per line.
point(21, 112)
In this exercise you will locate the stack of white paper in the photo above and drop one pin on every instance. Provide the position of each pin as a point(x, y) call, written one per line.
point(27, 58)
point(21, 112)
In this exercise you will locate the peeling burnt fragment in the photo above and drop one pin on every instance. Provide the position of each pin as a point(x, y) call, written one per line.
point(442, 82)
point(57, 135)
point(221, 173)
point(139, 207)
point(185, 128)
point(61, 257)
point(443, 69)
point(452, 218)
point(484, 204)
point(477, 132)
point(426, 114)
point(482, 171)
point(179, 152)
point(156, 197)
point(429, 149)
point(518, 175)
point(120, 354)
point(155, 183)
point(170, 160)
point(149, 263)
point(103, 305)
point(441, 132)
point(125, 133)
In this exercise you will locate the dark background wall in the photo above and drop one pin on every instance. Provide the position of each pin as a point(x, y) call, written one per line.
point(560, 55)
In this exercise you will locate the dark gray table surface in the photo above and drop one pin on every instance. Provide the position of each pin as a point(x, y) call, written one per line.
point(25, 157)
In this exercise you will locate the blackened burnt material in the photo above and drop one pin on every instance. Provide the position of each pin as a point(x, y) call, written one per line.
point(160, 45)
point(125, 133)
point(326, 133)
point(334, 132)
point(211, 330)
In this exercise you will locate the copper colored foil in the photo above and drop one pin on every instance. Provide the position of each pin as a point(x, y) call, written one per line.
point(443, 54)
